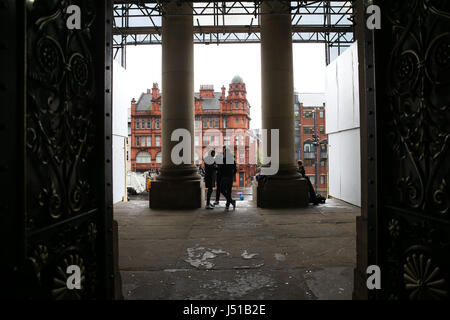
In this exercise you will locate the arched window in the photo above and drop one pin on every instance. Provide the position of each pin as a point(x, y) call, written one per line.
point(308, 147)
point(143, 157)
point(158, 157)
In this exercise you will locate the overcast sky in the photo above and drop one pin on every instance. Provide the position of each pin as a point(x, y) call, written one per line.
point(217, 65)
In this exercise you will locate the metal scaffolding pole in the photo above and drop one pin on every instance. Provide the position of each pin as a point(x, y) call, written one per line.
point(138, 22)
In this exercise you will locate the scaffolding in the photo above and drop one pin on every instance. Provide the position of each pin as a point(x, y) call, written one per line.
point(218, 22)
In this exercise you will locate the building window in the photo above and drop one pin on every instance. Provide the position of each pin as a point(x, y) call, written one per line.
point(137, 124)
point(149, 141)
point(308, 147)
point(159, 157)
point(158, 141)
point(321, 114)
point(196, 140)
point(323, 148)
point(197, 124)
point(241, 156)
point(322, 180)
point(226, 140)
point(322, 163)
point(143, 157)
point(205, 123)
point(322, 130)
point(308, 114)
point(216, 123)
point(237, 121)
point(143, 123)
point(308, 130)
point(237, 105)
point(137, 141)
point(149, 123)
point(309, 162)
point(225, 122)
point(242, 121)
point(157, 123)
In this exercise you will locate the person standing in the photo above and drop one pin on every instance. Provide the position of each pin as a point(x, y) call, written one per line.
point(218, 180)
point(210, 176)
point(227, 170)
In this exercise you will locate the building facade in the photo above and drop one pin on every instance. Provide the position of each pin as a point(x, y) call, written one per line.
point(129, 141)
point(221, 118)
point(311, 139)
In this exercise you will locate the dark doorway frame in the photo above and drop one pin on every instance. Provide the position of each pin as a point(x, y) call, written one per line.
point(15, 249)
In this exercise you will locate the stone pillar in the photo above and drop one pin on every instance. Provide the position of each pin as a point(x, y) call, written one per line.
point(286, 188)
point(177, 186)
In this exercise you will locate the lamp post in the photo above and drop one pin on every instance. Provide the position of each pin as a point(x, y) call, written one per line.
point(317, 153)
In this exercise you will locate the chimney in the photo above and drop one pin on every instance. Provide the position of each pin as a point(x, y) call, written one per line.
point(155, 90)
point(223, 92)
point(133, 105)
point(206, 91)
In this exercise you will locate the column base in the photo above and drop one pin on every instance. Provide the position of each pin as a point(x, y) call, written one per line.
point(292, 193)
point(176, 194)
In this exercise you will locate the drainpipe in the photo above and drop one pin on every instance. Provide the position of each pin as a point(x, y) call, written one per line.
point(125, 149)
point(317, 146)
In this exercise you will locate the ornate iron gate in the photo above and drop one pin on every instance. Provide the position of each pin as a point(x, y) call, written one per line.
point(65, 150)
point(412, 60)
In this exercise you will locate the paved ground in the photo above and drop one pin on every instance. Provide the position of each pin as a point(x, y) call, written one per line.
point(250, 253)
point(247, 193)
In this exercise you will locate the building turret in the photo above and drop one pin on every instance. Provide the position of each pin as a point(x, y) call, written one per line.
point(237, 89)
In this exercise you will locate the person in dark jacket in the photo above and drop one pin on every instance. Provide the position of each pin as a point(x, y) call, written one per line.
point(218, 180)
point(227, 170)
point(312, 193)
point(210, 177)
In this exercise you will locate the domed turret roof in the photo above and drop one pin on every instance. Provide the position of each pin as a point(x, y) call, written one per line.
point(237, 79)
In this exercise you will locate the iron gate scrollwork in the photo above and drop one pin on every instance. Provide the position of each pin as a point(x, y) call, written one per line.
point(413, 95)
point(64, 115)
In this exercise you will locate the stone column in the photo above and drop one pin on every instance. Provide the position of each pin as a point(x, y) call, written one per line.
point(177, 186)
point(286, 188)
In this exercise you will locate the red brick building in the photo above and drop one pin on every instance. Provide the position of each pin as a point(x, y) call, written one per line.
point(217, 114)
point(310, 120)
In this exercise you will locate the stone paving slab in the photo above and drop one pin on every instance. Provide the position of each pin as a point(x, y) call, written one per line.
point(292, 284)
point(250, 253)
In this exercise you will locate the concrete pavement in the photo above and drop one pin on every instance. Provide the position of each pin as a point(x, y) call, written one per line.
point(250, 253)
